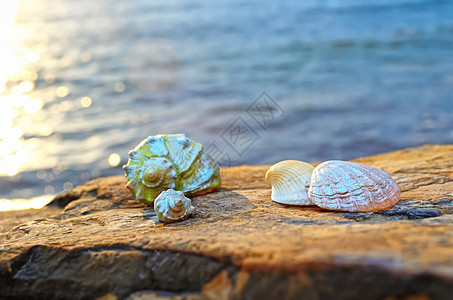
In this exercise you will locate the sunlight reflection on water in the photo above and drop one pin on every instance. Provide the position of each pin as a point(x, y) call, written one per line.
point(18, 204)
point(13, 98)
point(16, 80)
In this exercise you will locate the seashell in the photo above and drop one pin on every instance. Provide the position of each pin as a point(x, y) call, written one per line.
point(170, 161)
point(172, 206)
point(289, 180)
point(353, 187)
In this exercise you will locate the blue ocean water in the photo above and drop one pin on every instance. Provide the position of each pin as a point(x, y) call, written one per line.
point(342, 79)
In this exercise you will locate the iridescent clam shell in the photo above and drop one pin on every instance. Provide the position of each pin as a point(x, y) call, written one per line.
point(353, 187)
point(172, 206)
point(289, 180)
point(170, 161)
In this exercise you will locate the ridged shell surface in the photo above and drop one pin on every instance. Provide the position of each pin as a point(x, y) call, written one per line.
point(172, 206)
point(289, 180)
point(170, 161)
point(353, 187)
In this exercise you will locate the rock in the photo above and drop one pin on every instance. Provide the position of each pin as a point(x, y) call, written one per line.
point(98, 242)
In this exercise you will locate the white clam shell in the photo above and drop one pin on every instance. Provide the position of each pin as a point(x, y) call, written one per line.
point(172, 206)
point(289, 180)
point(353, 187)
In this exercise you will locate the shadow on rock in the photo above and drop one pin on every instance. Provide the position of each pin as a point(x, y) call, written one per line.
point(221, 204)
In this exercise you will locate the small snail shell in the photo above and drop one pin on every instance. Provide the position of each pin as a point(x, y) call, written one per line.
point(172, 206)
point(353, 187)
point(170, 161)
point(289, 180)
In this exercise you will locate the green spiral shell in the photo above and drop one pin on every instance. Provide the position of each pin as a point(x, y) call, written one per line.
point(170, 161)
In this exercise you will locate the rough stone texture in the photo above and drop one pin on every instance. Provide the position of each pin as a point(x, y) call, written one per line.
point(96, 241)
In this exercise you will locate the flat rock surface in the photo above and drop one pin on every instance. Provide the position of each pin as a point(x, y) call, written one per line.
point(97, 241)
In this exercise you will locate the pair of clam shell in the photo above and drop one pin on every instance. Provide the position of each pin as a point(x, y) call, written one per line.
point(333, 185)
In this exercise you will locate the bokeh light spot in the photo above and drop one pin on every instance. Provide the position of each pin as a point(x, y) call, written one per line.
point(49, 189)
point(66, 105)
point(62, 91)
point(33, 106)
point(86, 101)
point(119, 87)
point(26, 86)
point(41, 174)
point(67, 185)
point(114, 159)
